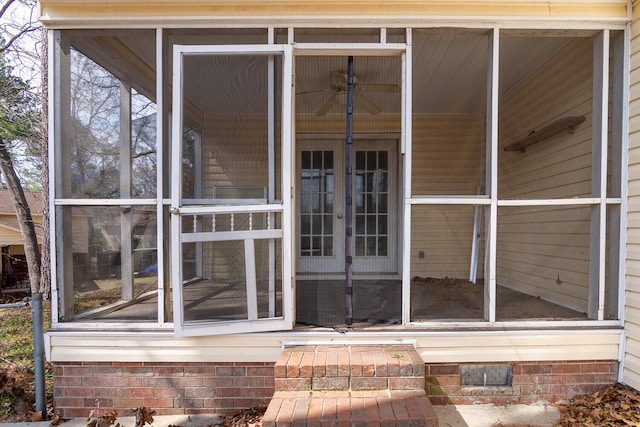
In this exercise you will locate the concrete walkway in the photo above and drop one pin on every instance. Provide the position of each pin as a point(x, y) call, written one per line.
point(448, 416)
point(489, 415)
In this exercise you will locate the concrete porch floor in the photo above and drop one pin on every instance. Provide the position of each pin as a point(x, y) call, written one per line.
point(376, 303)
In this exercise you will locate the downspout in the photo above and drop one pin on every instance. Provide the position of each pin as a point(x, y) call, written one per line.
point(349, 197)
point(38, 353)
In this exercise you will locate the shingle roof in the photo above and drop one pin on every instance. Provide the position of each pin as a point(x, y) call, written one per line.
point(34, 199)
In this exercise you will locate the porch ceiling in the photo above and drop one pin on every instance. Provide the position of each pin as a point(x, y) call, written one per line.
point(449, 73)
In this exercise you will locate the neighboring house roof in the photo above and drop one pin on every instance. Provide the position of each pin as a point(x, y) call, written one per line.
point(10, 233)
point(35, 201)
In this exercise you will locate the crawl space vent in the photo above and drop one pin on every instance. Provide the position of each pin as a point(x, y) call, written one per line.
point(486, 375)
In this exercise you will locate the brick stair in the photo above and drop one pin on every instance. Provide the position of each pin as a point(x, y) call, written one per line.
point(354, 385)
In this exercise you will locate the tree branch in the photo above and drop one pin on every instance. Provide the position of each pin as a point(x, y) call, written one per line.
point(15, 37)
point(143, 153)
point(6, 6)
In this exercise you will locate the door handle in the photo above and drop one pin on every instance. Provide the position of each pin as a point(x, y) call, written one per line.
point(339, 216)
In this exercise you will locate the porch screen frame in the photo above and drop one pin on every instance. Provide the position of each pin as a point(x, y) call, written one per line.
point(599, 202)
point(403, 162)
point(283, 208)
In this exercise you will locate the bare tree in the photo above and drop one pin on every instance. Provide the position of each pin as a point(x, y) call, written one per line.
point(45, 270)
point(20, 118)
point(16, 29)
point(20, 122)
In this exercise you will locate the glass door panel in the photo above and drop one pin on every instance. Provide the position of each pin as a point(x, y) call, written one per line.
point(371, 203)
point(375, 213)
point(320, 211)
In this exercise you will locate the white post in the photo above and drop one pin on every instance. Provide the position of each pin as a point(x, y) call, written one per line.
point(473, 269)
point(126, 226)
point(160, 170)
point(618, 135)
point(597, 260)
point(250, 274)
point(492, 176)
point(406, 143)
point(271, 137)
point(62, 164)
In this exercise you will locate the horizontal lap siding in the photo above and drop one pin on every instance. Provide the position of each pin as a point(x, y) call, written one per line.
point(631, 371)
point(438, 347)
point(447, 154)
point(234, 152)
point(544, 252)
point(447, 159)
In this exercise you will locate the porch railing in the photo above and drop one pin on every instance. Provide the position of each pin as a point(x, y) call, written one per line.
point(15, 281)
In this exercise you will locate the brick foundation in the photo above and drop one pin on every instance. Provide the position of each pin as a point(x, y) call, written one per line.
point(168, 388)
point(191, 388)
point(531, 382)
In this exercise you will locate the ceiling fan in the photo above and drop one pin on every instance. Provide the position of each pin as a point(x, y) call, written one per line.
point(339, 89)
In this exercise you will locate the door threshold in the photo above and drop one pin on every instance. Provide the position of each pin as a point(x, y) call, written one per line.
point(399, 341)
point(341, 276)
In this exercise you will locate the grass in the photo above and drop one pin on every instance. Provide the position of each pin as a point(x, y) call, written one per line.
point(16, 363)
point(16, 335)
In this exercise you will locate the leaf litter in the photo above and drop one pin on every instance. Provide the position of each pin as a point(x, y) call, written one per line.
point(613, 406)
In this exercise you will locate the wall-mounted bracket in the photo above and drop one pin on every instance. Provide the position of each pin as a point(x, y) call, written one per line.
point(567, 124)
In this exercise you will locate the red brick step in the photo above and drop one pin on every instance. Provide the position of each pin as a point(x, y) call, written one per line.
point(353, 385)
point(356, 408)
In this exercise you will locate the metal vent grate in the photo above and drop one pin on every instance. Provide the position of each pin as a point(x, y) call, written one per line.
point(486, 375)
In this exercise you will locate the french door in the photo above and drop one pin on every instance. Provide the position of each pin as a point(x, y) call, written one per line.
point(321, 205)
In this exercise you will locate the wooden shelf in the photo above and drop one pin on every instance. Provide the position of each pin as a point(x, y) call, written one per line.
point(567, 124)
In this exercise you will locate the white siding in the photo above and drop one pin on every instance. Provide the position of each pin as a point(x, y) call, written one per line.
point(447, 160)
point(234, 150)
point(631, 371)
point(544, 252)
point(436, 347)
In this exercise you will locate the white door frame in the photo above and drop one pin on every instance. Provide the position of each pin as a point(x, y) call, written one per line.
point(178, 210)
point(403, 51)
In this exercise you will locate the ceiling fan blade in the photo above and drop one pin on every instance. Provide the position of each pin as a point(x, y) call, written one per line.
point(364, 103)
point(306, 92)
point(339, 79)
point(373, 87)
point(327, 105)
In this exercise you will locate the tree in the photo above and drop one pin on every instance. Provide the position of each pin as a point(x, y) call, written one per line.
point(20, 117)
point(19, 122)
